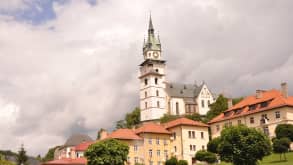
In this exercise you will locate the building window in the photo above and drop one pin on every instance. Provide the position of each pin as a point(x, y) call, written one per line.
point(174, 135)
point(156, 80)
point(194, 147)
point(264, 104)
point(251, 120)
point(193, 134)
point(252, 107)
point(150, 152)
point(145, 81)
point(158, 141)
point(230, 123)
point(202, 147)
point(202, 135)
point(145, 94)
point(158, 152)
point(158, 104)
point(157, 93)
point(177, 108)
point(166, 154)
point(135, 147)
point(189, 134)
point(266, 130)
point(278, 115)
point(218, 127)
point(135, 159)
point(151, 162)
point(146, 104)
point(165, 142)
point(202, 103)
point(157, 70)
point(150, 141)
point(226, 125)
point(175, 149)
point(190, 147)
point(239, 122)
point(159, 162)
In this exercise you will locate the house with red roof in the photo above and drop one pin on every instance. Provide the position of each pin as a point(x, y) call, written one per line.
point(263, 110)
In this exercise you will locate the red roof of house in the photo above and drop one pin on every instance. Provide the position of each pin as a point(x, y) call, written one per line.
point(274, 99)
point(152, 128)
point(67, 161)
point(184, 121)
point(83, 146)
point(126, 134)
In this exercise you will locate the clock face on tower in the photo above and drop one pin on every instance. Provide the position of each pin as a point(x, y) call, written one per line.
point(156, 55)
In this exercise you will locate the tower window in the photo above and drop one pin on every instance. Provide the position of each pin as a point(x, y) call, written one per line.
point(145, 81)
point(202, 103)
point(157, 93)
point(156, 80)
point(177, 108)
point(158, 104)
point(145, 94)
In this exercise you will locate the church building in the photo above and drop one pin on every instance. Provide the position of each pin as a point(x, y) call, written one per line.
point(157, 95)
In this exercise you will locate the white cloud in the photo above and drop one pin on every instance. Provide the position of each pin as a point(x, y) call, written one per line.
point(79, 72)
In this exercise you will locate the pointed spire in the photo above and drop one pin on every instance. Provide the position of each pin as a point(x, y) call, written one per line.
point(151, 27)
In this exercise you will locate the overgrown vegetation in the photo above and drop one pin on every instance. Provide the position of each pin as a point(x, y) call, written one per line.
point(50, 154)
point(107, 152)
point(131, 119)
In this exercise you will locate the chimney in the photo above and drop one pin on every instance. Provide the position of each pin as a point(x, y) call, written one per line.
point(104, 134)
point(284, 89)
point(230, 103)
point(259, 93)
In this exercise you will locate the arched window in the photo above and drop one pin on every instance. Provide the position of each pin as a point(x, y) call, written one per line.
point(177, 108)
point(158, 104)
point(145, 81)
point(145, 94)
point(157, 93)
point(156, 80)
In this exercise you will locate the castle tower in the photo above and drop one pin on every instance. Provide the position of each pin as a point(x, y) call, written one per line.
point(152, 78)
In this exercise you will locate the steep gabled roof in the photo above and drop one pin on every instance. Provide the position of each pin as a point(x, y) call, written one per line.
point(83, 146)
point(152, 128)
point(183, 90)
point(76, 139)
point(126, 134)
point(184, 121)
point(271, 99)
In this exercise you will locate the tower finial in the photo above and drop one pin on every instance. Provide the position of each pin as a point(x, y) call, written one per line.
point(151, 27)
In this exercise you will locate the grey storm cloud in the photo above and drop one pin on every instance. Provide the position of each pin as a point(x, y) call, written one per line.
point(79, 71)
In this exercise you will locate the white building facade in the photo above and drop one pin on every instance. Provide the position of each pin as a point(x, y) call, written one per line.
point(159, 97)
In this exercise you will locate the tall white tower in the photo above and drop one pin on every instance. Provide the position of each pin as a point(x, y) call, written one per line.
point(152, 79)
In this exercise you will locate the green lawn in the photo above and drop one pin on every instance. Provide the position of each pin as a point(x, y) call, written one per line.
point(274, 159)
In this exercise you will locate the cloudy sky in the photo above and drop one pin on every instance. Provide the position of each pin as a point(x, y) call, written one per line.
point(71, 66)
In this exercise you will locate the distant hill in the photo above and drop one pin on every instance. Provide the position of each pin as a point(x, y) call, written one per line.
point(11, 156)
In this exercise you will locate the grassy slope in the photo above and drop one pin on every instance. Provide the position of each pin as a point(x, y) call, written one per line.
point(274, 159)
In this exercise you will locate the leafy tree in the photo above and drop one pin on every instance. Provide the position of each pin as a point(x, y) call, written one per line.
point(182, 162)
point(213, 145)
point(50, 154)
point(195, 117)
point(281, 146)
point(217, 107)
point(107, 152)
point(171, 161)
point(243, 146)
point(284, 130)
point(99, 133)
point(205, 156)
point(21, 157)
point(166, 118)
point(131, 119)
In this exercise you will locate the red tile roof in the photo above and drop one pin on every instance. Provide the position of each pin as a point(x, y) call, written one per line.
point(152, 128)
point(184, 121)
point(274, 99)
point(67, 161)
point(83, 146)
point(127, 134)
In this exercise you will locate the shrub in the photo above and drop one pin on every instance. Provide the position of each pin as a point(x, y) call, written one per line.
point(213, 145)
point(206, 156)
point(171, 161)
point(182, 162)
